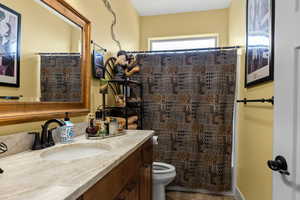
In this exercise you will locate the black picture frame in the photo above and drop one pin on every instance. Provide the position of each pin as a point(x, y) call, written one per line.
point(98, 65)
point(10, 77)
point(256, 70)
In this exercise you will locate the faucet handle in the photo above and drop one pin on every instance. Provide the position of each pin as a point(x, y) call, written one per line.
point(3, 147)
point(37, 141)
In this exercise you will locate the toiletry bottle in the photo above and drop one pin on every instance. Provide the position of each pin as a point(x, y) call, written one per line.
point(106, 124)
point(113, 126)
point(67, 135)
point(92, 130)
point(99, 123)
point(103, 128)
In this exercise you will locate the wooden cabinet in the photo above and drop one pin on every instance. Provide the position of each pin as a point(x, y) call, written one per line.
point(130, 180)
point(131, 191)
point(146, 171)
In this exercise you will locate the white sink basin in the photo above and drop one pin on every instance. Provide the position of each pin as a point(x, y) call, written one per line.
point(75, 151)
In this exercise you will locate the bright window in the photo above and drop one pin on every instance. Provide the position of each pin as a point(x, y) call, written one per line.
point(186, 43)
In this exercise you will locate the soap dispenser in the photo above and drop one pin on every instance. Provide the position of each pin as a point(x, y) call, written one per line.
point(67, 134)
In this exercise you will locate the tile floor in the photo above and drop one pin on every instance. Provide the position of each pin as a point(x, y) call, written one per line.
point(195, 196)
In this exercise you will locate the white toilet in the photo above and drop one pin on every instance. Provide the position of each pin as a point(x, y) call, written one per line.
point(163, 174)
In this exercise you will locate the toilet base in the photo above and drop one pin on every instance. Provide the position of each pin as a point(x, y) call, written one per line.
point(158, 192)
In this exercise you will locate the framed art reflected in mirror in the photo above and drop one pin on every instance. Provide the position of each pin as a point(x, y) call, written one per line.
point(10, 27)
point(260, 42)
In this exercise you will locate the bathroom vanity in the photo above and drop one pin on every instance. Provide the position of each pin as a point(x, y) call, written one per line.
point(130, 180)
point(118, 168)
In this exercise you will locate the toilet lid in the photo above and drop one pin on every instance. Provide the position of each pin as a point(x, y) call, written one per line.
point(162, 168)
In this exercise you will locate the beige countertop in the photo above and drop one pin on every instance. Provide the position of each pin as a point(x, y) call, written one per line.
point(28, 176)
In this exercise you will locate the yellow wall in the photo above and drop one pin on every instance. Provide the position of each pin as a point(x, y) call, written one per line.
point(255, 122)
point(185, 24)
point(254, 144)
point(127, 31)
point(41, 31)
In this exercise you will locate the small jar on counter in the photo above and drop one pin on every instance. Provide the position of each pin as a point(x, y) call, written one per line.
point(114, 126)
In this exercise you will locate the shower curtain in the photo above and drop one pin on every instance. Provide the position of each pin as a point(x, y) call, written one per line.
point(60, 77)
point(189, 101)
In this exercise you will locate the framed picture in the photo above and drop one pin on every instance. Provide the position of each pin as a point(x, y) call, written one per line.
point(260, 42)
point(10, 27)
point(98, 65)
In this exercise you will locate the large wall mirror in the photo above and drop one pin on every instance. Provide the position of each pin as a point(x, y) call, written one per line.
point(44, 60)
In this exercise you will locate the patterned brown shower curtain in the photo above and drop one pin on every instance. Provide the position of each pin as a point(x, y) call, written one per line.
point(189, 101)
point(61, 77)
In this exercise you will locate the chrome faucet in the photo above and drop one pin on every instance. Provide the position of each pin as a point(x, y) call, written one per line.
point(47, 138)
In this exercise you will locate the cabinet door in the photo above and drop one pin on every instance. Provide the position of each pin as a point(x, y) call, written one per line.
point(115, 182)
point(146, 183)
point(146, 171)
point(131, 191)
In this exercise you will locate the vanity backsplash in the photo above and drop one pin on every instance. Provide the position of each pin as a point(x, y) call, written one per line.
point(23, 141)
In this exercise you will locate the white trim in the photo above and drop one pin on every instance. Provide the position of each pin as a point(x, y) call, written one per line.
point(240, 53)
point(238, 194)
point(287, 93)
point(215, 35)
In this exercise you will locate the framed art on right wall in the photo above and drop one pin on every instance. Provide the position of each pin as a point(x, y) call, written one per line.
point(260, 42)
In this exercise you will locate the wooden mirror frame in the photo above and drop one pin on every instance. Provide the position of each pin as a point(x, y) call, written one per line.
point(22, 112)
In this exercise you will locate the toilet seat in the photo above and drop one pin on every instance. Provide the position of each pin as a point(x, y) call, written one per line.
point(162, 168)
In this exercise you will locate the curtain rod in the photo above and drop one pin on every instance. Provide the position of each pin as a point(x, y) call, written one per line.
point(183, 50)
point(59, 54)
